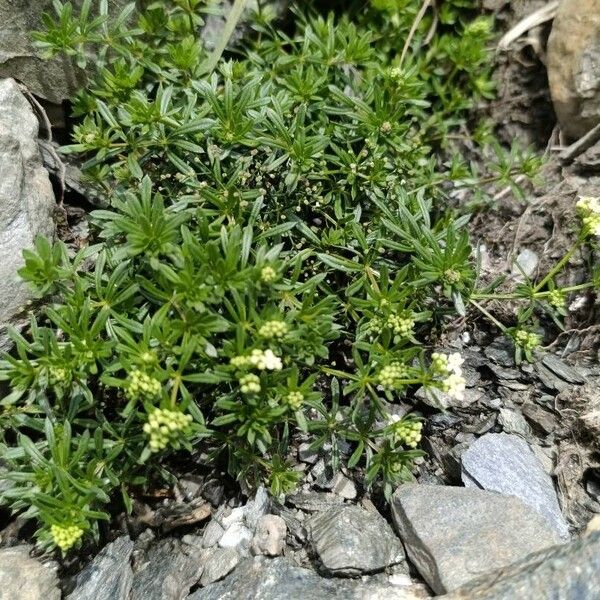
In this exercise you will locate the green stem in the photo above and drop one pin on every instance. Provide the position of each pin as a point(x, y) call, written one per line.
point(488, 315)
point(559, 265)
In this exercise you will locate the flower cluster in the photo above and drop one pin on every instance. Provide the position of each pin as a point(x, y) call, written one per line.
point(268, 274)
point(261, 359)
point(401, 325)
point(57, 376)
point(250, 384)
point(390, 374)
point(294, 400)
point(588, 208)
point(273, 329)
point(527, 339)
point(66, 536)
point(449, 367)
point(142, 385)
point(406, 432)
point(165, 428)
point(557, 298)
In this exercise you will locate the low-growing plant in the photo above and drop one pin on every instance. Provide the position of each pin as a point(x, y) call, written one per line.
point(278, 257)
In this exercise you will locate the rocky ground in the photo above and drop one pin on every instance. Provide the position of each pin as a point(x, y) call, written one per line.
point(505, 501)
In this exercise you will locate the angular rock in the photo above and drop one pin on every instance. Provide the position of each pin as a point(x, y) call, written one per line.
point(170, 568)
point(257, 507)
point(26, 197)
point(566, 572)
point(55, 79)
point(236, 535)
point(453, 535)
point(25, 578)
point(108, 576)
point(219, 563)
point(562, 369)
point(513, 422)
point(573, 64)
point(350, 540)
point(278, 579)
point(525, 264)
point(506, 464)
point(269, 537)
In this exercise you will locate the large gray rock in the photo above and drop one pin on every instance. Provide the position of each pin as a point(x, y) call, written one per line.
point(25, 578)
point(453, 535)
point(54, 80)
point(26, 197)
point(566, 572)
point(108, 576)
point(278, 579)
point(170, 568)
point(506, 464)
point(574, 65)
point(350, 540)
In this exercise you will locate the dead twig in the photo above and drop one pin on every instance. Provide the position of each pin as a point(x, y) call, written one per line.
point(581, 145)
point(39, 109)
point(542, 15)
point(413, 29)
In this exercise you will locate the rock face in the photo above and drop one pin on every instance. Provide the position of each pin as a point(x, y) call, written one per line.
point(279, 579)
point(453, 535)
point(54, 80)
point(568, 572)
point(171, 567)
point(25, 578)
point(108, 576)
point(26, 196)
point(574, 65)
point(505, 463)
point(350, 540)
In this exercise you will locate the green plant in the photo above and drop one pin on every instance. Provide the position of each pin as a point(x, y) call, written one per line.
point(278, 257)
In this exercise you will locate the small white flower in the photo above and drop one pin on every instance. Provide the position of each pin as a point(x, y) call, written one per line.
point(455, 361)
point(272, 361)
point(454, 386)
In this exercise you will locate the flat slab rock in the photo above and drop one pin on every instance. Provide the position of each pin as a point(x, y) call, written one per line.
point(506, 464)
point(26, 196)
point(108, 576)
point(278, 579)
point(350, 540)
point(26, 578)
point(565, 572)
point(453, 535)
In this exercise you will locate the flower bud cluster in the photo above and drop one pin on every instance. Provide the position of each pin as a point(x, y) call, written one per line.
point(557, 298)
point(406, 432)
point(294, 400)
point(65, 536)
point(165, 428)
point(527, 340)
point(449, 367)
point(390, 374)
point(273, 329)
point(57, 376)
point(142, 385)
point(268, 274)
point(403, 326)
point(250, 384)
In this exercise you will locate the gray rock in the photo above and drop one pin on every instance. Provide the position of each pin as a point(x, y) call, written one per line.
point(219, 563)
point(169, 570)
point(108, 576)
point(305, 454)
point(269, 537)
point(505, 463)
point(350, 540)
point(525, 264)
point(563, 370)
point(573, 60)
point(278, 579)
point(453, 534)
point(213, 532)
point(55, 79)
point(257, 507)
point(26, 196)
point(540, 417)
point(513, 422)
point(237, 535)
point(344, 487)
point(25, 578)
point(566, 572)
point(314, 501)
